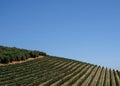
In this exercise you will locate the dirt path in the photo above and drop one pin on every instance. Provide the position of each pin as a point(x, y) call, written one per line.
point(18, 62)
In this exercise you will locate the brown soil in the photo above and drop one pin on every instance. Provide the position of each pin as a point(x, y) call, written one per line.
point(18, 62)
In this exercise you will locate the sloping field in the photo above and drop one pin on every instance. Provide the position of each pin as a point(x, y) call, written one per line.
point(54, 71)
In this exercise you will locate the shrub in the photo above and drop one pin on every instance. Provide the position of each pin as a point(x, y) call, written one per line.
point(8, 54)
point(5, 59)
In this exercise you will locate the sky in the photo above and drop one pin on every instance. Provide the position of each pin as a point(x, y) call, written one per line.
point(84, 30)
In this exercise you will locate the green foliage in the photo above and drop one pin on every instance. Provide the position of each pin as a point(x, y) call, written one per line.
point(34, 53)
point(52, 71)
point(9, 54)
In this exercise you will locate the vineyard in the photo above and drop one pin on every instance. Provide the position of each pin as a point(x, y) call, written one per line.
point(55, 71)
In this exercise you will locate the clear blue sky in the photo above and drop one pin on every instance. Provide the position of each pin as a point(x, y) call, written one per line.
point(86, 30)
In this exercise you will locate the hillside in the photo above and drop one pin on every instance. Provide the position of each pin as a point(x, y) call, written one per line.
point(56, 71)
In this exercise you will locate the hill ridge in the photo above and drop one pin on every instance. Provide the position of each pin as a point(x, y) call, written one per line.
point(56, 71)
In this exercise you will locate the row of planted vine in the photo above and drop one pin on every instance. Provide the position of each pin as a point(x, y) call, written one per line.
point(53, 71)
